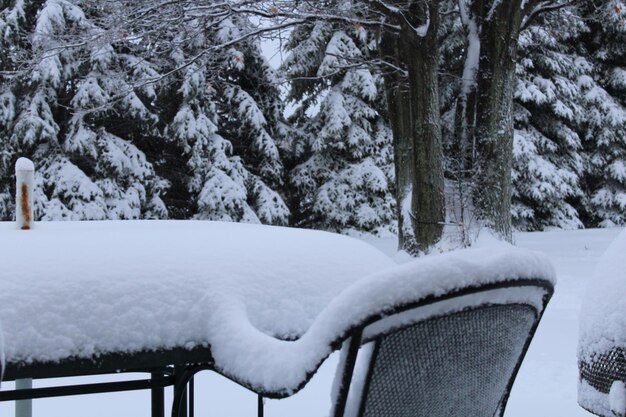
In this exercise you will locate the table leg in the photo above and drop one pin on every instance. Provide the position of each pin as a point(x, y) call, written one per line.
point(158, 398)
point(179, 401)
point(260, 406)
point(24, 408)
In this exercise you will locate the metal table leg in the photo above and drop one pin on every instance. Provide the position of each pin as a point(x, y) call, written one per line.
point(158, 398)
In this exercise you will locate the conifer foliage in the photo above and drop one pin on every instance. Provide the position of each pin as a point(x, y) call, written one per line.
point(227, 123)
point(605, 94)
point(548, 160)
point(568, 149)
point(124, 124)
point(63, 117)
point(343, 172)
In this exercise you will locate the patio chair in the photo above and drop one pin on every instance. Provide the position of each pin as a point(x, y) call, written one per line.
point(601, 346)
point(452, 355)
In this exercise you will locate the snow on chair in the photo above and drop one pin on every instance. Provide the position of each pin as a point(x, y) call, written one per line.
point(602, 344)
point(455, 354)
point(441, 336)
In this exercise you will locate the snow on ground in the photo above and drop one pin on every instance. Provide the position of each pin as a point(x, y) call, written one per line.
point(546, 385)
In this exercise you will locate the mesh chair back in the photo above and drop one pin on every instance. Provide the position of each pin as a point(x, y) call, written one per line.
point(455, 364)
point(604, 369)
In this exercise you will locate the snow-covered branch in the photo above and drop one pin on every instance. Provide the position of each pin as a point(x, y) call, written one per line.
point(315, 17)
point(473, 47)
point(537, 8)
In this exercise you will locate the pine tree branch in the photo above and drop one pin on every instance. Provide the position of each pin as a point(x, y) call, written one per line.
point(188, 63)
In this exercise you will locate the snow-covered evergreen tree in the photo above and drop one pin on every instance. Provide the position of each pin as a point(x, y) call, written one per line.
point(114, 117)
point(14, 47)
point(342, 171)
point(35, 130)
point(548, 162)
point(109, 123)
point(228, 123)
point(605, 95)
point(569, 116)
point(254, 123)
point(65, 119)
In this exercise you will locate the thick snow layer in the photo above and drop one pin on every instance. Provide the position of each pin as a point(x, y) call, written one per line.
point(603, 321)
point(79, 289)
point(282, 366)
point(603, 314)
point(612, 403)
point(90, 287)
point(545, 386)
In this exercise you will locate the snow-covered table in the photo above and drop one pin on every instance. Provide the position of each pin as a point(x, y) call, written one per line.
point(79, 289)
point(262, 305)
point(602, 345)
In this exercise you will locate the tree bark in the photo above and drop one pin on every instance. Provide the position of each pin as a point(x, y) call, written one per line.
point(400, 119)
point(422, 59)
point(499, 35)
point(415, 117)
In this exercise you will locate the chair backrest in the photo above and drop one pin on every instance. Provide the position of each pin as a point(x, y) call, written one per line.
point(455, 357)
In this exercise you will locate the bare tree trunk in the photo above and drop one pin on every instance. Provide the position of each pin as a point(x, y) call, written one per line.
point(499, 35)
point(422, 59)
point(400, 119)
point(415, 118)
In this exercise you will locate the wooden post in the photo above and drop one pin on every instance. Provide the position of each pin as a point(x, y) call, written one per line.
point(24, 175)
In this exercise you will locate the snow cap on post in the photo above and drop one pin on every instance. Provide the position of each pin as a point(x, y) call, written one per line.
point(24, 175)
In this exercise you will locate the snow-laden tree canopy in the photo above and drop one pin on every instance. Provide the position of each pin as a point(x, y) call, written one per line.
point(127, 117)
point(170, 109)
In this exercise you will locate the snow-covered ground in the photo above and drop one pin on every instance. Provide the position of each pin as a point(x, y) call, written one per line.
point(546, 385)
